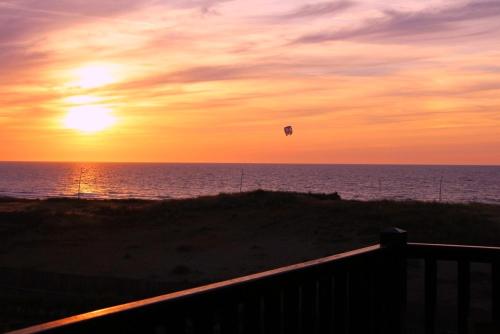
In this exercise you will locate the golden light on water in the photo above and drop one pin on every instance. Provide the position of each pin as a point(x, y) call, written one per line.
point(89, 118)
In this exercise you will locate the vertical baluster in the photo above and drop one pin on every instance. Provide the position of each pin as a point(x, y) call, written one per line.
point(463, 296)
point(203, 318)
point(340, 302)
point(229, 318)
point(308, 307)
point(272, 311)
point(203, 324)
point(174, 322)
point(430, 295)
point(359, 294)
point(376, 301)
point(177, 324)
point(325, 304)
point(291, 308)
point(355, 300)
point(252, 315)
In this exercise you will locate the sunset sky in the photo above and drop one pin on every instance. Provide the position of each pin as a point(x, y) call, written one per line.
point(364, 81)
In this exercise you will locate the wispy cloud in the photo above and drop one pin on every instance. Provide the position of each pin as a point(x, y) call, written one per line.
point(89, 9)
point(265, 70)
point(205, 6)
point(399, 25)
point(315, 9)
point(24, 21)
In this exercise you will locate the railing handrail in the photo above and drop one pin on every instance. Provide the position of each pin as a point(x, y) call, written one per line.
point(393, 241)
point(485, 254)
point(209, 288)
point(423, 244)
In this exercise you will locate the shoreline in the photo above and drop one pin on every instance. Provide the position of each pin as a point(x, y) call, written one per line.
point(168, 198)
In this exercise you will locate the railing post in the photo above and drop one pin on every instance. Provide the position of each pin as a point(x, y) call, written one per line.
point(393, 237)
point(393, 270)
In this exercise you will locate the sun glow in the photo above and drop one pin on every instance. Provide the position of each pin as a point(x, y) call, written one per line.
point(82, 99)
point(92, 76)
point(89, 119)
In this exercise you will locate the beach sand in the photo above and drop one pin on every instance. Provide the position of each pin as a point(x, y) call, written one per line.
point(63, 256)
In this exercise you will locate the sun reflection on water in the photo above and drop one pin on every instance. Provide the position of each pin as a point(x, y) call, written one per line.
point(85, 181)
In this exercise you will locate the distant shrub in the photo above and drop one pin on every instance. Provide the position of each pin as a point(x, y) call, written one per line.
point(6, 199)
point(61, 199)
point(324, 196)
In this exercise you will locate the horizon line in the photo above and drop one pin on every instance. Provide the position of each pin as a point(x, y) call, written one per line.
point(253, 163)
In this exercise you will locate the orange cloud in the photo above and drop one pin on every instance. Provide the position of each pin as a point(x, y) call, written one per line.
point(217, 80)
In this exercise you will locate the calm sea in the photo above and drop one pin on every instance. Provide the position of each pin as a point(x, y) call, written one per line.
point(160, 181)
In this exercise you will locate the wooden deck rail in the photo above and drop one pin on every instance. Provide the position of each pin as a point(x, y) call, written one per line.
point(463, 256)
point(362, 291)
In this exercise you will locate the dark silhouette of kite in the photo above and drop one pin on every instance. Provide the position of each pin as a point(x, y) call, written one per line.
point(288, 130)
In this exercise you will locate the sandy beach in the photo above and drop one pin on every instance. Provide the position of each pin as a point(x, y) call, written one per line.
point(63, 256)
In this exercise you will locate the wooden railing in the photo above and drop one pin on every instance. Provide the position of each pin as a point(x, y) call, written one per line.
point(464, 256)
point(362, 291)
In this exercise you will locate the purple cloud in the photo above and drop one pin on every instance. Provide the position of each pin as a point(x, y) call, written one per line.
point(205, 6)
point(291, 68)
point(317, 9)
point(27, 20)
point(397, 25)
point(308, 11)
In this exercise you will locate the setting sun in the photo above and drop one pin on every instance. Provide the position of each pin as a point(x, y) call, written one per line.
point(89, 119)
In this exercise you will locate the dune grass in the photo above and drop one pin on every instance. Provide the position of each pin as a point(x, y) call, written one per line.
point(473, 223)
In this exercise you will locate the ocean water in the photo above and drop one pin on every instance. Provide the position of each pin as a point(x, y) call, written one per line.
point(176, 180)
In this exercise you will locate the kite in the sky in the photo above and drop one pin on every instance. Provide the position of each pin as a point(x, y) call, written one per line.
point(288, 130)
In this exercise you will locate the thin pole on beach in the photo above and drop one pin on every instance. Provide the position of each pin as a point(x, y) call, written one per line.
point(80, 182)
point(241, 180)
point(441, 189)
